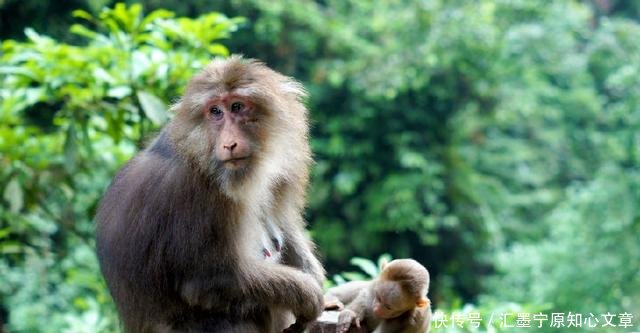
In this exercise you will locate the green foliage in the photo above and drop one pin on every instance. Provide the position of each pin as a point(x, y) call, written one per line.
point(459, 132)
point(588, 262)
point(69, 117)
point(370, 269)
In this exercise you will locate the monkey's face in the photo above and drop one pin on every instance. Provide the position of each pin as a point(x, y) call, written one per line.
point(233, 122)
point(242, 124)
point(390, 300)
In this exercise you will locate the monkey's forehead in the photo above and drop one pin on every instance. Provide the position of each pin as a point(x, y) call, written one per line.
point(235, 63)
point(210, 94)
point(387, 285)
point(236, 72)
point(231, 96)
point(388, 290)
point(245, 78)
point(217, 85)
point(248, 83)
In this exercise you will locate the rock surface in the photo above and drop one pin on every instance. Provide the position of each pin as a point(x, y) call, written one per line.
point(326, 323)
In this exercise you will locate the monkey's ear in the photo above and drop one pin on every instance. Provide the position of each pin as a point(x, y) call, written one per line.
point(422, 302)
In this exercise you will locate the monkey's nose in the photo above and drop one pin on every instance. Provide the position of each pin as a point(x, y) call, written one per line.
point(230, 146)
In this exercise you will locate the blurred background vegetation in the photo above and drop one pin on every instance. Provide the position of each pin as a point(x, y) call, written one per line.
point(495, 141)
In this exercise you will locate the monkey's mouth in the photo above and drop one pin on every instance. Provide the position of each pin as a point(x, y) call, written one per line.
point(236, 162)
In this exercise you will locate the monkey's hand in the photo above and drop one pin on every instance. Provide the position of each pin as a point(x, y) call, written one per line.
point(346, 318)
point(308, 310)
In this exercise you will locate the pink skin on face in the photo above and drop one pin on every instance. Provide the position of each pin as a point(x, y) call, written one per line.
point(228, 114)
point(381, 312)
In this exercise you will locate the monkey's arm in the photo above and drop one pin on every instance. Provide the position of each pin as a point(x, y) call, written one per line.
point(345, 293)
point(263, 282)
point(357, 312)
point(298, 252)
point(298, 249)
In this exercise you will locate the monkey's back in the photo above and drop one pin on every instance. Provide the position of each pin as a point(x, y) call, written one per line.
point(346, 292)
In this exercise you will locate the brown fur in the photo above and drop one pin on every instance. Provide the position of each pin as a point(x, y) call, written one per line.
point(402, 284)
point(179, 235)
point(412, 277)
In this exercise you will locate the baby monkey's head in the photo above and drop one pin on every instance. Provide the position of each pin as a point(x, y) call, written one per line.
point(401, 286)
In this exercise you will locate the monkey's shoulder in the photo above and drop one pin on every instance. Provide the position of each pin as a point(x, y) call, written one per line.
point(144, 166)
point(162, 146)
point(347, 292)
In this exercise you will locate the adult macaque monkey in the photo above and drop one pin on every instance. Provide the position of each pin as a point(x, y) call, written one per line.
point(203, 230)
point(394, 302)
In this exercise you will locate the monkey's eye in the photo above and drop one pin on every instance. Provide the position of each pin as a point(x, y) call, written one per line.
point(237, 107)
point(216, 112)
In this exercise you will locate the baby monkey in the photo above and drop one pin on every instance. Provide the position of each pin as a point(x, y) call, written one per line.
point(394, 302)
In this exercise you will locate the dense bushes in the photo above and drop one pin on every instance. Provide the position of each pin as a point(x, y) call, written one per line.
point(495, 141)
point(70, 116)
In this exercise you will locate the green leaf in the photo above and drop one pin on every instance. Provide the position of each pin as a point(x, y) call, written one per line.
point(11, 247)
point(5, 232)
point(119, 92)
point(153, 107)
point(101, 74)
point(81, 30)
point(155, 15)
point(70, 149)
point(339, 279)
point(79, 13)
point(14, 196)
point(366, 266)
point(218, 49)
point(34, 36)
point(354, 276)
point(14, 70)
point(384, 259)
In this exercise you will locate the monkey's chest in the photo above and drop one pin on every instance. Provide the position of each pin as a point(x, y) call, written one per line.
point(264, 239)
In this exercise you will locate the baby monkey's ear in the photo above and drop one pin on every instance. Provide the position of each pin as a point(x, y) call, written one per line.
point(423, 302)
